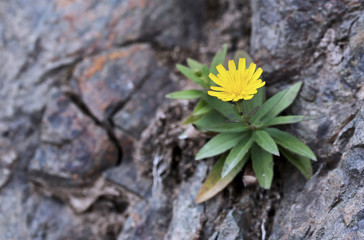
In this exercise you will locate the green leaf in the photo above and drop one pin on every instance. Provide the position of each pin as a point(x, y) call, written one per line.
point(242, 54)
point(252, 104)
point(185, 94)
point(193, 64)
point(285, 120)
point(267, 106)
point(191, 119)
point(209, 119)
point(205, 76)
point(228, 127)
point(214, 183)
point(237, 154)
point(302, 163)
point(263, 166)
point(276, 104)
point(291, 143)
point(224, 108)
point(219, 58)
point(201, 108)
point(219, 144)
point(262, 138)
point(191, 75)
point(286, 100)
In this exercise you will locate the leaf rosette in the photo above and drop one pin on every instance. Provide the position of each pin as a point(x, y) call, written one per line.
point(245, 127)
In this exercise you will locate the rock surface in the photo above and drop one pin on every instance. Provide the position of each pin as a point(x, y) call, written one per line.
point(90, 148)
point(326, 54)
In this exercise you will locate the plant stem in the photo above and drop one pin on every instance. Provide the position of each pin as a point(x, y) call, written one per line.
point(240, 110)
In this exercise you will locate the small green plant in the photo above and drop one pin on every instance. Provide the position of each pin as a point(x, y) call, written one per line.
point(232, 106)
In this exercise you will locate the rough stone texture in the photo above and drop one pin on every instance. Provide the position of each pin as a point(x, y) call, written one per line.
point(186, 222)
point(158, 151)
point(231, 21)
point(90, 149)
point(67, 67)
point(107, 81)
point(324, 54)
point(170, 24)
point(25, 214)
point(72, 145)
point(127, 174)
point(331, 202)
point(141, 108)
point(321, 44)
point(232, 227)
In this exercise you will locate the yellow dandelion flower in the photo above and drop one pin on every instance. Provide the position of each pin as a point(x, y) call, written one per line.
point(235, 84)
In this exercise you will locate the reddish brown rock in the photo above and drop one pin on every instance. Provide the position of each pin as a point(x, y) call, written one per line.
point(107, 81)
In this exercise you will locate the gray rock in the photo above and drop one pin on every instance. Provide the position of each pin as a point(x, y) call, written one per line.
point(169, 24)
point(8, 157)
point(143, 105)
point(325, 209)
point(59, 177)
point(228, 22)
point(148, 220)
point(232, 228)
point(187, 217)
point(127, 176)
point(63, 142)
point(13, 223)
point(72, 145)
point(4, 176)
point(303, 41)
point(353, 136)
point(154, 218)
point(25, 214)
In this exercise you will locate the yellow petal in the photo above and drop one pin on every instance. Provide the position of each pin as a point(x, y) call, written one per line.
point(227, 99)
point(250, 72)
point(232, 66)
point(215, 94)
point(253, 83)
point(217, 88)
point(220, 68)
point(216, 79)
point(237, 98)
point(256, 85)
point(253, 91)
point(257, 74)
point(235, 84)
point(260, 85)
point(248, 97)
point(223, 96)
point(241, 64)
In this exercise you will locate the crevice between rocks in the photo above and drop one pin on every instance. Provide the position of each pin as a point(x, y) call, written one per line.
point(31, 58)
point(107, 123)
point(79, 103)
point(110, 112)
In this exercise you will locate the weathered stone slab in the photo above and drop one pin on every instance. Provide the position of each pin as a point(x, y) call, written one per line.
point(25, 214)
point(72, 145)
point(107, 81)
point(187, 216)
point(135, 116)
point(319, 44)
